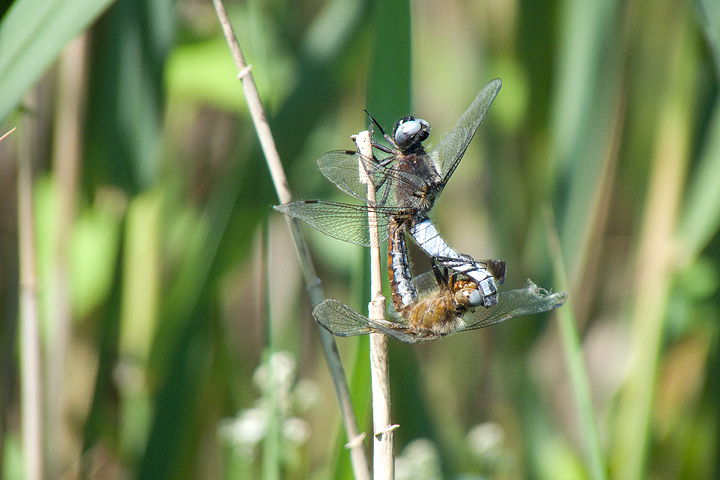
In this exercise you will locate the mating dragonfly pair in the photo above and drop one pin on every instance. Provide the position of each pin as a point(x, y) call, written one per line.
point(407, 182)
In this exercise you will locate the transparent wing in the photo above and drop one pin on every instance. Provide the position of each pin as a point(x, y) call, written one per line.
point(425, 283)
point(343, 221)
point(394, 187)
point(514, 303)
point(451, 148)
point(343, 321)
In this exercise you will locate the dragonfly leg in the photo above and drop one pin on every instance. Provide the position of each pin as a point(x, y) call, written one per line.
point(375, 122)
point(386, 136)
point(441, 276)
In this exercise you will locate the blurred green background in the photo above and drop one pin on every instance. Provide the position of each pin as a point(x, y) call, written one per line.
point(175, 331)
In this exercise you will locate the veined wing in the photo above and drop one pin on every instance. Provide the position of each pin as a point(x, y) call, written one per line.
point(451, 148)
point(342, 167)
point(514, 303)
point(343, 321)
point(340, 220)
point(425, 283)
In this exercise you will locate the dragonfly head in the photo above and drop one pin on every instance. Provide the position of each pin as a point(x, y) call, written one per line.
point(410, 132)
point(471, 294)
point(468, 297)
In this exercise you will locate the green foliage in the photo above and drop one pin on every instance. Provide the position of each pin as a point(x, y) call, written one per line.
point(180, 281)
point(32, 34)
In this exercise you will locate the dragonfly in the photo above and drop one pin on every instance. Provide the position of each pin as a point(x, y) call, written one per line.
point(435, 304)
point(407, 182)
point(446, 305)
point(404, 292)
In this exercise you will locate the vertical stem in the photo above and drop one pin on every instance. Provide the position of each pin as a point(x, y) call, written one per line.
point(31, 394)
point(383, 459)
point(313, 284)
point(257, 112)
point(271, 469)
point(67, 151)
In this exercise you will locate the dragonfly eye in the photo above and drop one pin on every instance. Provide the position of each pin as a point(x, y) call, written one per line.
point(469, 297)
point(410, 131)
point(475, 298)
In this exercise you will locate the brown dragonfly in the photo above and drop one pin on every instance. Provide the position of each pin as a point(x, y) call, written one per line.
point(435, 304)
point(445, 305)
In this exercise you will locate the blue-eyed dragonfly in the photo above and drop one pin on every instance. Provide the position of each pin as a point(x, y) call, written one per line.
point(407, 183)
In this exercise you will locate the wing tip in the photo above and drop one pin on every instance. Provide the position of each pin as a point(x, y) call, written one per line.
point(541, 292)
point(330, 306)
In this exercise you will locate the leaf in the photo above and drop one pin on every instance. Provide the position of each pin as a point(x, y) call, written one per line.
point(709, 14)
point(32, 35)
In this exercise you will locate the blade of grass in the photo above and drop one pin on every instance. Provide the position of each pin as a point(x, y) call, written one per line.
point(709, 15)
point(588, 78)
point(574, 358)
point(124, 122)
point(271, 442)
point(389, 82)
point(32, 35)
point(389, 97)
point(657, 259)
point(700, 219)
point(360, 387)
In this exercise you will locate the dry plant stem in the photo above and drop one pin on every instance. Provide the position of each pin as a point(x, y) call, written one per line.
point(8, 133)
point(383, 458)
point(312, 282)
point(255, 106)
point(30, 374)
point(67, 151)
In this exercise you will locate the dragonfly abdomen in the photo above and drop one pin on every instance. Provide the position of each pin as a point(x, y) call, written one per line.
point(401, 286)
point(429, 239)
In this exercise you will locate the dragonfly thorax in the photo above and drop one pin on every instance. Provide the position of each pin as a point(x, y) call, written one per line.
point(434, 315)
point(409, 133)
point(420, 194)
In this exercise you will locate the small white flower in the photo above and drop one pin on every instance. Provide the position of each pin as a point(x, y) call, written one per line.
point(419, 461)
point(486, 439)
point(296, 431)
point(246, 430)
point(277, 374)
point(305, 394)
